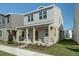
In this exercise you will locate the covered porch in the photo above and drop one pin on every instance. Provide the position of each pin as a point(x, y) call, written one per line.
point(41, 34)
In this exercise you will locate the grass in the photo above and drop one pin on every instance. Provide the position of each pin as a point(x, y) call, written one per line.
point(2, 53)
point(62, 48)
point(13, 44)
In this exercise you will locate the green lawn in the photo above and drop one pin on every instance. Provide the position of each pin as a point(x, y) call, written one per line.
point(13, 44)
point(62, 48)
point(2, 53)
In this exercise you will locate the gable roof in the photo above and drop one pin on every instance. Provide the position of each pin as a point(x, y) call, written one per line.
point(39, 9)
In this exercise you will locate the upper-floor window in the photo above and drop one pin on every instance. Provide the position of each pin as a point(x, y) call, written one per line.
point(30, 18)
point(7, 19)
point(3, 21)
point(40, 15)
point(43, 14)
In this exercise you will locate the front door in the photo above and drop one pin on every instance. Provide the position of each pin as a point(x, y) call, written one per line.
point(36, 35)
point(14, 34)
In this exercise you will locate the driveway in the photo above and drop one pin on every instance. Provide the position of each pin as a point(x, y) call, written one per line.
point(20, 52)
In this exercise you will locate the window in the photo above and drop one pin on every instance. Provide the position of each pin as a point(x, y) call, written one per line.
point(45, 14)
point(28, 18)
point(40, 15)
point(46, 32)
point(3, 21)
point(0, 33)
point(32, 17)
point(7, 19)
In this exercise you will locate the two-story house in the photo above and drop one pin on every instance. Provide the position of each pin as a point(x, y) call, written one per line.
point(9, 22)
point(43, 26)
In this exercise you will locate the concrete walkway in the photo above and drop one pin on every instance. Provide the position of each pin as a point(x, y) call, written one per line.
point(20, 52)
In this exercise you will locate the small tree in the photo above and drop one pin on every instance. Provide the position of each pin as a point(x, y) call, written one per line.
point(10, 38)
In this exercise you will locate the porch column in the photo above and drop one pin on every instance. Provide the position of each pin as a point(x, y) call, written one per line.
point(17, 35)
point(33, 34)
point(49, 32)
point(27, 34)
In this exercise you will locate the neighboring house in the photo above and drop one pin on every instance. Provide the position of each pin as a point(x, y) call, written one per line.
point(43, 26)
point(76, 24)
point(8, 23)
point(68, 34)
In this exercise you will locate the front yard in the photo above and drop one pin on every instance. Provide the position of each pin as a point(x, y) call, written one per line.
point(2, 53)
point(62, 48)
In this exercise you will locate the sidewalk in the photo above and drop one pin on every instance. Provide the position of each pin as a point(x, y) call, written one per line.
point(20, 52)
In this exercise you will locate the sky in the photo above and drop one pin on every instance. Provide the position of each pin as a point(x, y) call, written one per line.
point(66, 9)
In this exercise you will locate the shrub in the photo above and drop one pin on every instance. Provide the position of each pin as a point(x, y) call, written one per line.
point(10, 38)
